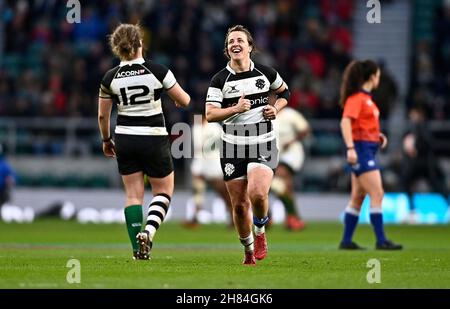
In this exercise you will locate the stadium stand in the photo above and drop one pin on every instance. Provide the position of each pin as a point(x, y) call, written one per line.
point(50, 71)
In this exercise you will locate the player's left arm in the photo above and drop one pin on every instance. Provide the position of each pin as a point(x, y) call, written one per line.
point(282, 97)
point(383, 140)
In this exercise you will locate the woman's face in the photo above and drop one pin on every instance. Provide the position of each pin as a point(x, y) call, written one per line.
point(237, 46)
point(376, 79)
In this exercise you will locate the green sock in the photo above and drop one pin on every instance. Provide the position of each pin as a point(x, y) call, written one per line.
point(288, 203)
point(133, 218)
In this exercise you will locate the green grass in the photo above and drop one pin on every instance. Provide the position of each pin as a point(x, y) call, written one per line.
point(35, 256)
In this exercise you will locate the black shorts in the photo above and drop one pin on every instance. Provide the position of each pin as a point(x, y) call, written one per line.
point(143, 153)
point(234, 159)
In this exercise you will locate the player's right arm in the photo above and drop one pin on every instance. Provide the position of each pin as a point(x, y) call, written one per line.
point(215, 113)
point(352, 109)
point(104, 116)
point(346, 129)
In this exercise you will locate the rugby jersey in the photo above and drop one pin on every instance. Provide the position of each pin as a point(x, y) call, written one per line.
point(226, 88)
point(136, 87)
point(365, 117)
point(288, 124)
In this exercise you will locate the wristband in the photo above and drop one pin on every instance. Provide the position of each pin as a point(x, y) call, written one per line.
point(105, 140)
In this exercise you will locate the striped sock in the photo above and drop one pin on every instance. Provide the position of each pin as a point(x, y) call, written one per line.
point(157, 211)
point(247, 242)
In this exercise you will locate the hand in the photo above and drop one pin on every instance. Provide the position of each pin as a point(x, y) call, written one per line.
point(288, 144)
point(179, 105)
point(109, 148)
point(383, 141)
point(270, 112)
point(352, 157)
point(243, 104)
point(409, 146)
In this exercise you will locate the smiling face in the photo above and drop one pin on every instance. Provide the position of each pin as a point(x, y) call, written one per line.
point(238, 46)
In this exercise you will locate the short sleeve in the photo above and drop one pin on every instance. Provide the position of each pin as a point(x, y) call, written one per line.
point(105, 91)
point(272, 75)
point(169, 80)
point(352, 107)
point(162, 73)
point(277, 83)
point(214, 95)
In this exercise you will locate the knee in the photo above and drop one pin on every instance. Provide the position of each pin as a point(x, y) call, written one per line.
point(377, 195)
point(258, 196)
point(241, 209)
point(358, 199)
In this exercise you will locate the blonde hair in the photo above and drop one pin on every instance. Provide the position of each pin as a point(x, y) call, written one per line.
point(125, 41)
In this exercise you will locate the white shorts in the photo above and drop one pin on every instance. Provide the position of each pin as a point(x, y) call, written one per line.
point(294, 156)
point(207, 168)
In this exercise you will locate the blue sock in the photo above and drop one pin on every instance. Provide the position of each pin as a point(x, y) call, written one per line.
point(260, 222)
point(350, 222)
point(376, 218)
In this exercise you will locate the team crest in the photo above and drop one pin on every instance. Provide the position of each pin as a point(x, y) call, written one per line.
point(260, 83)
point(229, 169)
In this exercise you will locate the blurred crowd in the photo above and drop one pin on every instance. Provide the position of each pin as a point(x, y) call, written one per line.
point(53, 68)
point(430, 70)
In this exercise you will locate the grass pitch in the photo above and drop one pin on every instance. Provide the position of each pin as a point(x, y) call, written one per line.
point(35, 256)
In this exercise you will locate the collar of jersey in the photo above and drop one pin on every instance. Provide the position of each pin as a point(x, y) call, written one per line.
point(134, 61)
point(365, 92)
point(252, 66)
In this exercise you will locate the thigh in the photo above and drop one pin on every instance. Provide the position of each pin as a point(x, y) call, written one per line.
point(371, 182)
point(237, 189)
point(163, 184)
point(284, 171)
point(134, 185)
point(259, 178)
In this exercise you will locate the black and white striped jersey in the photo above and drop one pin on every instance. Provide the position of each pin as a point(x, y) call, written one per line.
point(226, 88)
point(136, 87)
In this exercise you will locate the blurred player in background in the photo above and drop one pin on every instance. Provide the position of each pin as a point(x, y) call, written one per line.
point(419, 161)
point(238, 96)
point(141, 140)
point(7, 179)
point(206, 169)
point(292, 127)
point(360, 128)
